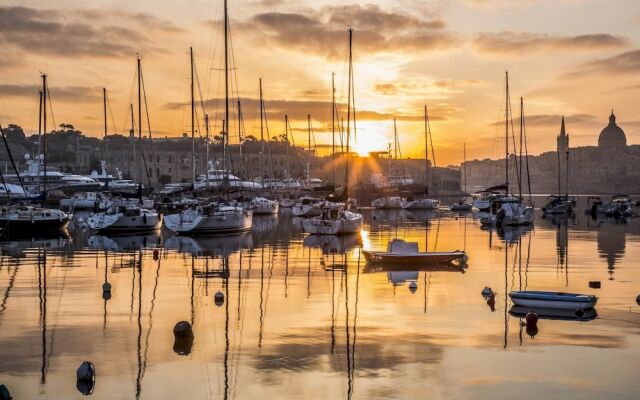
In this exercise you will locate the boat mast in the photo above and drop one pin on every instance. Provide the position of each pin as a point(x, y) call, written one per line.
point(132, 137)
point(464, 165)
point(350, 102)
point(226, 91)
point(104, 107)
point(566, 185)
point(426, 153)
point(333, 123)
point(261, 133)
point(520, 156)
point(193, 123)
point(206, 127)
point(506, 132)
point(39, 142)
point(139, 114)
point(44, 132)
point(309, 150)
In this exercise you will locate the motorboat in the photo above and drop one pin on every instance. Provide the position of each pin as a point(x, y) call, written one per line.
point(213, 218)
point(407, 253)
point(11, 191)
point(264, 206)
point(34, 178)
point(559, 204)
point(569, 301)
point(388, 202)
point(419, 204)
point(620, 205)
point(482, 200)
point(307, 207)
point(82, 200)
point(334, 221)
point(461, 206)
point(216, 178)
point(22, 220)
point(508, 210)
point(560, 314)
point(125, 219)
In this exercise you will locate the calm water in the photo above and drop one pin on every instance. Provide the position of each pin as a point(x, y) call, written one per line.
point(306, 318)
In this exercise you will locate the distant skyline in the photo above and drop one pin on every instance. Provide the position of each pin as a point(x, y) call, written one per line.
point(577, 58)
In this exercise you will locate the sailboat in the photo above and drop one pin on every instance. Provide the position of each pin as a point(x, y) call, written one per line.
point(30, 220)
point(125, 216)
point(214, 218)
point(424, 203)
point(561, 204)
point(507, 209)
point(335, 219)
point(392, 202)
point(463, 205)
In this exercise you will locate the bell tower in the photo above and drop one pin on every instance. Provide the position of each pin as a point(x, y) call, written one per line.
point(563, 140)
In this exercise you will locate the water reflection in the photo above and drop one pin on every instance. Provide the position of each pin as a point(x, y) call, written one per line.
point(304, 313)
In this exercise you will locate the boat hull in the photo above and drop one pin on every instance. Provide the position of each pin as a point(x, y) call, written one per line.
point(567, 301)
point(421, 204)
point(125, 223)
point(210, 224)
point(332, 227)
point(383, 257)
point(28, 227)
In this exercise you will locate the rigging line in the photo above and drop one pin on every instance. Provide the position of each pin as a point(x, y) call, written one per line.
point(113, 120)
point(513, 138)
point(430, 135)
point(153, 157)
point(50, 103)
point(526, 154)
point(13, 164)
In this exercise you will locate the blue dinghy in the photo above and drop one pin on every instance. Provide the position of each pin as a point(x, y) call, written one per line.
point(569, 301)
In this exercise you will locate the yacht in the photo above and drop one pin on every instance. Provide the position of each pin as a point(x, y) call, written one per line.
point(559, 204)
point(482, 200)
point(11, 191)
point(620, 205)
point(210, 219)
point(216, 177)
point(307, 206)
point(334, 221)
point(264, 206)
point(125, 219)
point(388, 202)
point(82, 200)
point(29, 220)
point(508, 210)
point(420, 204)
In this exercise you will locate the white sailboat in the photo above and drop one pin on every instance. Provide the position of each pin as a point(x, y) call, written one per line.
point(388, 202)
point(264, 206)
point(125, 219)
point(334, 222)
point(210, 219)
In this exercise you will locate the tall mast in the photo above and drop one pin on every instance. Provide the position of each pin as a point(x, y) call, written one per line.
point(44, 131)
point(333, 122)
point(286, 138)
point(261, 132)
point(464, 164)
point(39, 141)
point(139, 114)
point(132, 138)
point(193, 123)
point(225, 132)
point(566, 185)
point(349, 104)
point(506, 132)
point(104, 107)
point(206, 169)
point(240, 139)
point(520, 156)
point(426, 153)
point(309, 150)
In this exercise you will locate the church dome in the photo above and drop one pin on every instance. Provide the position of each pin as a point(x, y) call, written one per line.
point(612, 135)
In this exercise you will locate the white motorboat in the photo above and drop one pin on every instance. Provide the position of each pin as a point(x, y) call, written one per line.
point(307, 206)
point(82, 200)
point(107, 201)
point(215, 179)
point(11, 191)
point(507, 210)
point(558, 204)
point(334, 221)
point(420, 204)
point(407, 253)
point(29, 220)
point(263, 206)
point(482, 200)
point(210, 219)
point(125, 219)
point(388, 202)
point(461, 206)
point(569, 301)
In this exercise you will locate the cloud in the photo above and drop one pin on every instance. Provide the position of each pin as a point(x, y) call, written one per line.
point(423, 89)
point(375, 30)
point(64, 93)
point(319, 110)
point(514, 43)
point(81, 33)
point(624, 63)
point(552, 120)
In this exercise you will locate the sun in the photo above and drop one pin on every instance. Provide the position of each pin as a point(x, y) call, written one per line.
point(372, 136)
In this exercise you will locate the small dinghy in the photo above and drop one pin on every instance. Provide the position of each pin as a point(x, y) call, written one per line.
point(569, 301)
point(407, 253)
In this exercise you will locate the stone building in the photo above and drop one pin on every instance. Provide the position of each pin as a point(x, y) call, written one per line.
point(609, 168)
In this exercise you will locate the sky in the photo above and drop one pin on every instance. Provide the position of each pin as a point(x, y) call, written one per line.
point(577, 58)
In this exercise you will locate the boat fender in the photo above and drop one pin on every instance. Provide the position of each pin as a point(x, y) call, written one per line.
point(464, 259)
point(86, 378)
point(156, 255)
point(106, 287)
point(4, 393)
point(413, 286)
point(531, 318)
point(579, 313)
point(183, 335)
point(638, 300)
point(218, 298)
point(487, 292)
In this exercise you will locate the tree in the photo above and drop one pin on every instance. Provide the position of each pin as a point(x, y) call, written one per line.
point(14, 133)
